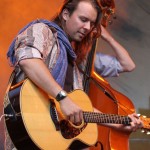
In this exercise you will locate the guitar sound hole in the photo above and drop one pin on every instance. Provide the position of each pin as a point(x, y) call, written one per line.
point(68, 131)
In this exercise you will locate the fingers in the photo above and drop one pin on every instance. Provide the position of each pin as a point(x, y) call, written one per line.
point(71, 118)
point(76, 117)
point(136, 122)
point(72, 111)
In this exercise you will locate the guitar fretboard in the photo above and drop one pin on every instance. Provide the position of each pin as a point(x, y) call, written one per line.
point(94, 117)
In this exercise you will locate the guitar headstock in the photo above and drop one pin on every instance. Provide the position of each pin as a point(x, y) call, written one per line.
point(146, 124)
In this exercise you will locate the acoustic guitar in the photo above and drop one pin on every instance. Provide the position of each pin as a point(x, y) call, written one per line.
point(37, 122)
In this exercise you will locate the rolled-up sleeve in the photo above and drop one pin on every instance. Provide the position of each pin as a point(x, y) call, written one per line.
point(107, 65)
point(34, 42)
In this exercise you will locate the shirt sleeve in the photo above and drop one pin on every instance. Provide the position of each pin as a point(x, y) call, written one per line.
point(35, 42)
point(107, 65)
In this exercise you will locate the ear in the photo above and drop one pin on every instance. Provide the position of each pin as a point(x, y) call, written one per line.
point(65, 14)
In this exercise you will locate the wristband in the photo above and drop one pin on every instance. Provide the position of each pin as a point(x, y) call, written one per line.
point(61, 95)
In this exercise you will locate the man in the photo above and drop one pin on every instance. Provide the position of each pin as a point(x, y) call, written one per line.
point(45, 54)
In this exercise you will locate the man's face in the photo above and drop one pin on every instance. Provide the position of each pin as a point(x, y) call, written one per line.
point(80, 22)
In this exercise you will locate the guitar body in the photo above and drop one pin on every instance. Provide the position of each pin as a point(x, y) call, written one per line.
point(109, 103)
point(36, 122)
point(34, 126)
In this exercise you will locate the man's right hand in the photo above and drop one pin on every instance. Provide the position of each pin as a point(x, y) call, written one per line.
point(72, 111)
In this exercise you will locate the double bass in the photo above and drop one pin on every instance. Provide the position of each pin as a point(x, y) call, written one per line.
point(104, 97)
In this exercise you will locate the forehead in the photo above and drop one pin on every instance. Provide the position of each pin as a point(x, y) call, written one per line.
point(86, 9)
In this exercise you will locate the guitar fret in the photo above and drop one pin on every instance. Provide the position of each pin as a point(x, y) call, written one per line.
point(94, 117)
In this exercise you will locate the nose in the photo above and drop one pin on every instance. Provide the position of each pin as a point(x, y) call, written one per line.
point(87, 25)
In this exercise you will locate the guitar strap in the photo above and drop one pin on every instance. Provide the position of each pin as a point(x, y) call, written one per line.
point(6, 97)
point(12, 92)
point(6, 103)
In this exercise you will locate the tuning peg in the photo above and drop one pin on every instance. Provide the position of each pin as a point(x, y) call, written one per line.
point(144, 116)
point(142, 131)
point(139, 115)
point(148, 133)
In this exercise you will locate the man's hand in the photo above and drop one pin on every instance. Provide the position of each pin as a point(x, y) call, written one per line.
point(72, 111)
point(135, 124)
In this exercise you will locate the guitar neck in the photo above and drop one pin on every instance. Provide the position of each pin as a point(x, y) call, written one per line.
point(94, 117)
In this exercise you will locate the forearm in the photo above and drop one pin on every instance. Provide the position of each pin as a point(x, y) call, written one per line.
point(121, 54)
point(36, 70)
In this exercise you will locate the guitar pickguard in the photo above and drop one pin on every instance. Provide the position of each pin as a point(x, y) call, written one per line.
point(68, 131)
